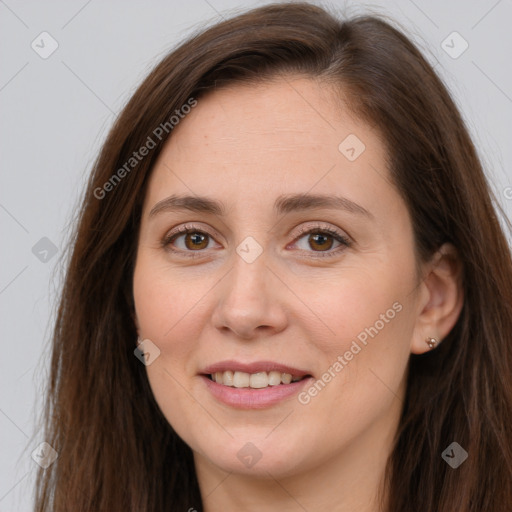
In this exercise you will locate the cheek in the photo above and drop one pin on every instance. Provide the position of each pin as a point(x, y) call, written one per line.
point(371, 319)
point(365, 304)
point(166, 302)
point(168, 312)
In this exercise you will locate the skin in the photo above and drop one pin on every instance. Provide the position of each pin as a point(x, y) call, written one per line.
point(246, 145)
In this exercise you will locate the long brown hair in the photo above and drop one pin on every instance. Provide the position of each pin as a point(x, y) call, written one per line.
point(116, 450)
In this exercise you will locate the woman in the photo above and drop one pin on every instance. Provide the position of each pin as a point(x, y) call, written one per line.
point(288, 288)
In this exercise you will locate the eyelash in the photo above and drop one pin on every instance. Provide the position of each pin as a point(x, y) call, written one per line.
point(186, 229)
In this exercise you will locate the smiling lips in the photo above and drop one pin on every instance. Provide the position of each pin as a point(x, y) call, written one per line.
point(259, 374)
point(255, 385)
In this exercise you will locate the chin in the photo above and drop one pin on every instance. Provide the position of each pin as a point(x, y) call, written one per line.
point(275, 456)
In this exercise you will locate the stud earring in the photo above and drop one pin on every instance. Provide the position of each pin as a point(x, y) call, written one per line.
point(431, 342)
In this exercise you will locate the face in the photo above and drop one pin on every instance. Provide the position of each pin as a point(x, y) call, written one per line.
point(269, 285)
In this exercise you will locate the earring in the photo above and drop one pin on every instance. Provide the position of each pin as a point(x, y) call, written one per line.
point(431, 342)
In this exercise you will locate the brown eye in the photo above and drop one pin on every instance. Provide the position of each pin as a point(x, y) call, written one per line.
point(195, 240)
point(187, 241)
point(320, 241)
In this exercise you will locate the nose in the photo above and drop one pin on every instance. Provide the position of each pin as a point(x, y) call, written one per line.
point(250, 300)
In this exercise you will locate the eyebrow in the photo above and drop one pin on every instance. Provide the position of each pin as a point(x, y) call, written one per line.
point(283, 204)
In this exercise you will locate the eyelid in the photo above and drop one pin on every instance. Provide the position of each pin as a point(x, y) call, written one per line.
point(183, 228)
point(321, 226)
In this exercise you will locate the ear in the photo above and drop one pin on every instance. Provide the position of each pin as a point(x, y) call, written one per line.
point(441, 298)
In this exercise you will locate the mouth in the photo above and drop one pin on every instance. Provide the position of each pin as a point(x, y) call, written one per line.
point(254, 385)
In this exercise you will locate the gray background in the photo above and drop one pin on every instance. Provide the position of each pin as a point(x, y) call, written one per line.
point(55, 114)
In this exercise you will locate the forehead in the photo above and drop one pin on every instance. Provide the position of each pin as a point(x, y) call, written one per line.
point(259, 141)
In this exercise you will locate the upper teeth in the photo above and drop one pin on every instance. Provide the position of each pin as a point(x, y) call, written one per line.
point(252, 380)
